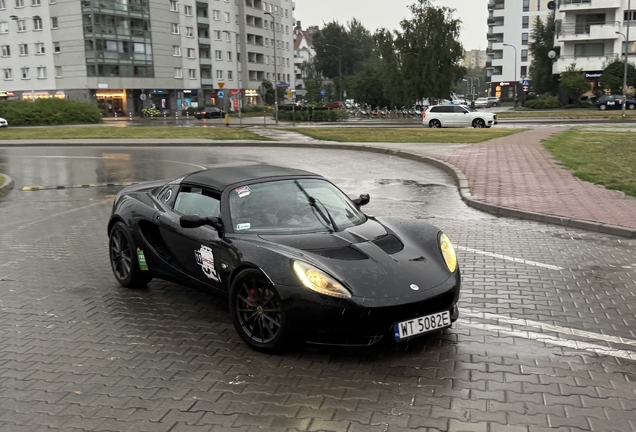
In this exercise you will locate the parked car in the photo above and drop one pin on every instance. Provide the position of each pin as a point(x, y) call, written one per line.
point(487, 102)
point(3, 122)
point(336, 105)
point(457, 116)
point(297, 258)
point(493, 101)
point(209, 112)
point(614, 102)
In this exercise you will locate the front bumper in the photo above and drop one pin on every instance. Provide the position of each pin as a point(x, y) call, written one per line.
point(327, 320)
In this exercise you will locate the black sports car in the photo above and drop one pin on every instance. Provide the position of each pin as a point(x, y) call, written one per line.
point(296, 257)
point(209, 113)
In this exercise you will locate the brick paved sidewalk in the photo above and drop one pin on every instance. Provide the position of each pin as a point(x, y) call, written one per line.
point(518, 172)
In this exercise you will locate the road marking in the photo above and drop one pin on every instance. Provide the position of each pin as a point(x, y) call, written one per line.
point(509, 258)
point(547, 327)
point(524, 332)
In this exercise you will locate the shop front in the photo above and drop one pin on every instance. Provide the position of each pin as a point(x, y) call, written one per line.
point(251, 97)
point(111, 103)
point(187, 99)
point(161, 99)
point(502, 89)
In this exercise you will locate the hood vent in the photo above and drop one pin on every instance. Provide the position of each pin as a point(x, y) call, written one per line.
point(341, 253)
point(389, 244)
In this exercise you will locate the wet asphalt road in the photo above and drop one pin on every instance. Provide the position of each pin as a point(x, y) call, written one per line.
point(546, 337)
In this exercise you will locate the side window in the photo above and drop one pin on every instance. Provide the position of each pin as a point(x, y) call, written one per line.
point(196, 201)
point(436, 109)
point(458, 109)
point(447, 109)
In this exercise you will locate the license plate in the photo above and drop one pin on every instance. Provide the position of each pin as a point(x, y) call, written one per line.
point(422, 325)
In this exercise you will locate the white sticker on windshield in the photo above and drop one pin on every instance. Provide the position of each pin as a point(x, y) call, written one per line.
point(243, 191)
point(243, 226)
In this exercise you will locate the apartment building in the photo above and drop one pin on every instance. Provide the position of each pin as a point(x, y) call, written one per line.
point(592, 33)
point(510, 24)
point(475, 59)
point(303, 53)
point(124, 55)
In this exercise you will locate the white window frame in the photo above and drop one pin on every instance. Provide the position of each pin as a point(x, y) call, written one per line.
point(227, 17)
point(178, 72)
point(216, 15)
point(22, 27)
point(6, 51)
point(230, 76)
point(219, 74)
point(175, 28)
point(36, 2)
point(176, 51)
point(217, 35)
point(58, 72)
point(54, 23)
point(37, 24)
point(3, 4)
point(40, 48)
point(190, 32)
point(56, 48)
point(187, 10)
point(192, 73)
point(8, 74)
point(4, 27)
point(24, 49)
point(19, 4)
point(191, 53)
point(26, 73)
point(174, 6)
point(41, 72)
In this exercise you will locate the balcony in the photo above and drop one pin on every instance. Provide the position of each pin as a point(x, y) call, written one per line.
point(589, 31)
point(497, 5)
point(587, 63)
point(204, 61)
point(203, 19)
point(585, 5)
point(207, 81)
point(204, 40)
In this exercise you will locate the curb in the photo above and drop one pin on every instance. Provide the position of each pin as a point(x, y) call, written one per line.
point(6, 186)
point(458, 176)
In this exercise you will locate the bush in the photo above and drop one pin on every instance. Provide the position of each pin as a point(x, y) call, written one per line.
point(154, 112)
point(311, 114)
point(544, 102)
point(42, 112)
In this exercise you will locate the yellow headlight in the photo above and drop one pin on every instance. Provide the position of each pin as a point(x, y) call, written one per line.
point(448, 252)
point(318, 281)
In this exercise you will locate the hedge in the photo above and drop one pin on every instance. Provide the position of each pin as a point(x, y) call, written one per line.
point(543, 102)
point(54, 111)
point(318, 114)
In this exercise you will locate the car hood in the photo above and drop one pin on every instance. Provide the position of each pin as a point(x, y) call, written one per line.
point(375, 259)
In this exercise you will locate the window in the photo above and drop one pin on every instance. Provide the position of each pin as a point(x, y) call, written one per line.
point(175, 28)
point(174, 6)
point(58, 71)
point(36, 2)
point(176, 51)
point(217, 35)
point(229, 56)
point(26, 73)
point(4, 27)
point(218, 55)
point(189, 32)
point(187, 10)
point(219, 74)
point(230, 75)
point(227, 17)
point(8, 74)
point(526, 5)
point(19, 3)
point(3, 4)
point(524, 38)
point(24, 49)
point(56, 47)
point(178, 73)
point(41, 72)
point(196, 201)
point(216, 15)
point(589, 50)
point(228, 37)
point(37, 23)
point(525, 21)
point(22, 25)
point(39, 48)
point(524, 55)
point(629, 15)
point(191, 53)
point(524, 71)
point(192, 73)
point(6, 51)
point(54, 22)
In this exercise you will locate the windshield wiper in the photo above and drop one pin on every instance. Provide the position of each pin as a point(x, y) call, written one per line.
point(312, 202)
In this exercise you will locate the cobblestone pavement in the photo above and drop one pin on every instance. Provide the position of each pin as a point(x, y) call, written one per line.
point(545, 341)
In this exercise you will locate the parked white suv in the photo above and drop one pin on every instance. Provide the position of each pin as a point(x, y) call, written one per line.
point(457, 116)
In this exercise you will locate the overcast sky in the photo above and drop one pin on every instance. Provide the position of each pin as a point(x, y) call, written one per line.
point(388, 13)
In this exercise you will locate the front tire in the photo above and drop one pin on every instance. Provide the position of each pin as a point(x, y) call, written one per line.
point(631, 106)
point(123, 258)
point(603, 107)
point(434, 124)
point(479, 123)
point(258, 314)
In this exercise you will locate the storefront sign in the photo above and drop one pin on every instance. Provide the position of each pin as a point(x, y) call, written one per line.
point(504, 83)
point(114, 94)
point(6, 93)
point(251, 93)
point(593, 74)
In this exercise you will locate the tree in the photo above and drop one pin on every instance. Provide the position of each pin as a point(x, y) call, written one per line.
point(429, 52)
point(612, 78)
point(542, 43)
point(574, 83)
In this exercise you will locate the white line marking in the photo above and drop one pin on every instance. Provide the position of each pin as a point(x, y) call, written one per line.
point(509, 258)
point(597, 349)
point(547, 327)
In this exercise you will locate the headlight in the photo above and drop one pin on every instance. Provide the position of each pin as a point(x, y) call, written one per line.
point(319, 281)
point(448, 252)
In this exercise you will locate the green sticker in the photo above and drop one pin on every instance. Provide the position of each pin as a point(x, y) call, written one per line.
point(141, 259)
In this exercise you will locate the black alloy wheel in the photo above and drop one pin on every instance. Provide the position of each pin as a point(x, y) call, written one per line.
point(257, 312)
point(479, 123)
point(123, 258)
point(434, 124)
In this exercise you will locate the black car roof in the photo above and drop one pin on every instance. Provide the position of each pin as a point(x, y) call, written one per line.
point(221, 177)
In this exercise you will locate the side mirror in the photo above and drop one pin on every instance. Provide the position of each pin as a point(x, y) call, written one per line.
point(195, 221)
point(362, 201)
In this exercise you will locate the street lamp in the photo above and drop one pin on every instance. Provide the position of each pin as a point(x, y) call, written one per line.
point(238, 76)
point(275, 67)
point(339, 69)
point(514, 89)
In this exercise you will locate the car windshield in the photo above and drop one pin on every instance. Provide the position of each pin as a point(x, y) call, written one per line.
point(292, 207)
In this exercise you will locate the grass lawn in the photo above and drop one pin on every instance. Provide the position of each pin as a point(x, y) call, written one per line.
point(100, 132)
point(406, 135)
point(574, 113)
point(604, 158)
